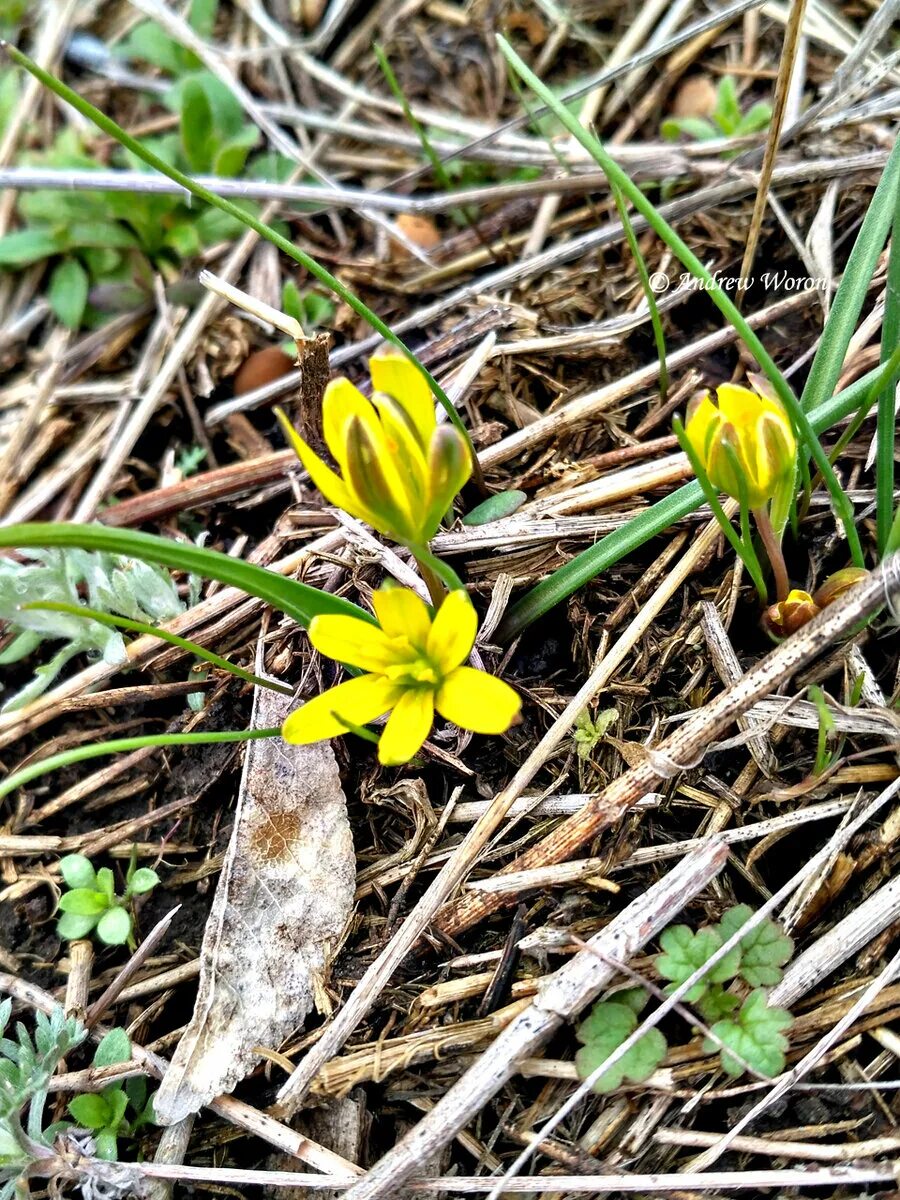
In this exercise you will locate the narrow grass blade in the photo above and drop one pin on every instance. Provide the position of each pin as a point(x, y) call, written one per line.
point(297, 600)
point(437, 165)
point(324, 276)
point(649, 294)
point(848, 299)
point(53, 762)
point(115, 622)
point(890, 341)
point(657, 518)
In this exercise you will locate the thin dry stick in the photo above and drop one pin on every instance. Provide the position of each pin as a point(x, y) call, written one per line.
point(457, 867)
point(561, 996)
point(782, 89)
point(688, 745)
point(661, 1183)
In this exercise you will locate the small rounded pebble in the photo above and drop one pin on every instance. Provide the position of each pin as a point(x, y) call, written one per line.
point(260, 368)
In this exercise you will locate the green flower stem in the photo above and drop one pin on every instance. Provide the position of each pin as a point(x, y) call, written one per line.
point(773, 551)
point(439, 576)
point(66, 758)
point(653, 521)
point(102, 121)
point(742, 546)
point(644, 276)
point(886, 431)
point(619, 179)
point(115, 622)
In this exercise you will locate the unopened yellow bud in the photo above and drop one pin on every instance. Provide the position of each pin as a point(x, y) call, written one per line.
point(782, 619)
point(744, 441)
point(837, 584)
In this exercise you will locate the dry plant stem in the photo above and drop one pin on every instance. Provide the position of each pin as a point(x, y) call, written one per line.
point(231, 1110)
point(458, 866)
point(111, 993)
point(841, 942)
point(782, 90)
point(78, 983)
point(561, 996)
point(172, 1147)
point(815, 1151)
point(687, 746)
point(773, 552)
point(660, 1183)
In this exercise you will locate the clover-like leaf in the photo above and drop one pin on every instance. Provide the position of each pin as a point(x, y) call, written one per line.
point(144, 879)
point(764, 950)
point(684, 951)
point(84, 902)
point(114, 927)
point(756, 1034)
point(77, 871)
point(71, 926)
point(602, 1033)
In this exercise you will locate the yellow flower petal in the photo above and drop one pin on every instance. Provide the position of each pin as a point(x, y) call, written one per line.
point(407, 727)
point(477, 701)
point(402, 441)
point(739, 405)
point(376, 484)
point(449, 466)
point(401, 613)
point(341, 402)
point(327, 481)
point(453, 632)
point(350, 640)
point(398, 377)
point(358, 701)
point(703, 421)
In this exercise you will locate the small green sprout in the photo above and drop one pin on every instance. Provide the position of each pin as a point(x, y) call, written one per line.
point(310, 309)
point(726, 119)
point(105, 1113)
point(589, 732)
point(92, 906)
point(749, 1031)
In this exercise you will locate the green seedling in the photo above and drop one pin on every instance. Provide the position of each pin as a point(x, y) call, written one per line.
point(121, 1109)
point(749, 1032)
point(27, 1064)
point(590, 731)
point(755, 1034)
point(726, 119)
point(110, 583)
point(92, 905)
point(106, 246)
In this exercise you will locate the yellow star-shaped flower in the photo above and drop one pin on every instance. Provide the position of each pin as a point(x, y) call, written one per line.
point(414, 665)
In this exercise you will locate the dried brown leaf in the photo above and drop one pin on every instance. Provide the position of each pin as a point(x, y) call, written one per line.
point(283, 899)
